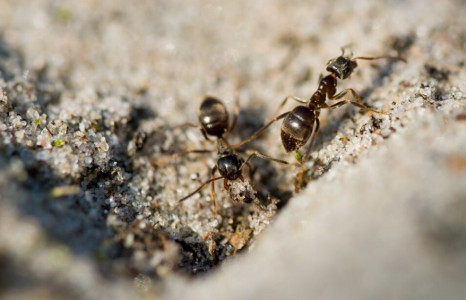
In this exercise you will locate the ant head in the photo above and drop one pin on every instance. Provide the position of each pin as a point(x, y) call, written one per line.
point(229, 166)
point(213, 117)
point(341, 66)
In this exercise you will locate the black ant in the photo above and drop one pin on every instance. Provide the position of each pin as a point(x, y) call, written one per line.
point(302, 122)
point(213, 118)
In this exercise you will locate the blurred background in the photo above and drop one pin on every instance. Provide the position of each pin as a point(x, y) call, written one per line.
point(93, 92)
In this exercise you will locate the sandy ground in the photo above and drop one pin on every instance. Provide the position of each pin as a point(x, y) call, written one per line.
point(92, 96)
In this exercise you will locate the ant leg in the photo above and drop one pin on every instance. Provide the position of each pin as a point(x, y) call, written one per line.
point(213, 195)
point(164, 160)
point(187, 124)
point(311, 143)
point(250, 172)
point(300, 180)
point(253, 153)
point(225, 184)
point(260, 131)
point(204, 133)
point(200, 188)
point(226, 188)
point(297, 99)
point(359, 103)
point(235, 118)
point(320, 78)
point(362, 106)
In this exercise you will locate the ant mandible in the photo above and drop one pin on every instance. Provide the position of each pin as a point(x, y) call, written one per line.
point(302, 122)
point(213, 118)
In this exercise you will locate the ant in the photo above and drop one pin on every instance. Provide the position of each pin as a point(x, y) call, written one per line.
point(213, 118)
point(302, 123)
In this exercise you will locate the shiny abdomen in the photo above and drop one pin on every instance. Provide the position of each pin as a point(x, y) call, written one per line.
point(297, 128)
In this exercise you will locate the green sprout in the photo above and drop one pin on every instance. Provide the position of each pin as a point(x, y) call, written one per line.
point(65, 15)
point(66, 190)
point(298, 156)
point(95, 126)
point(58, 143)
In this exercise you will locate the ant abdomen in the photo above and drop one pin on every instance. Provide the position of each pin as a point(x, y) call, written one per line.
point(213, 117)
point(297, 128)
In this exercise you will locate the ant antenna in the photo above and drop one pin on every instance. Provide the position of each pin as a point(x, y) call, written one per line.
point(162, 161)
point(253, 153)
point(259, 132)
point(379, 57)
point(200, 188)
point(347, 46)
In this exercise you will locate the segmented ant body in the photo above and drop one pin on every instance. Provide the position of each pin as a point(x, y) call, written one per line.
point(302, 123)
point(214, 122)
